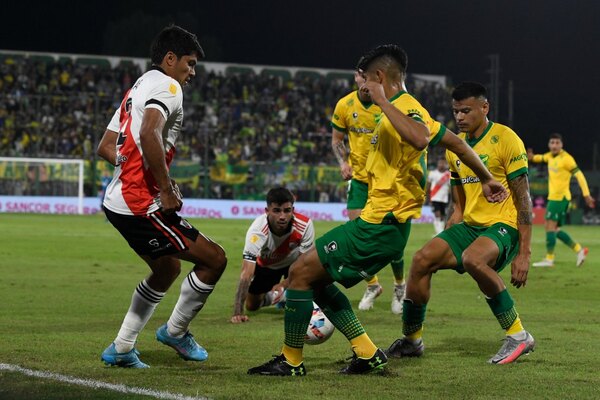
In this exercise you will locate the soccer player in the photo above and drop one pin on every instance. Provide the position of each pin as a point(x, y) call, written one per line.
point(273, 242)
point(482, 237)
point(361, 247)
point(141, 201)
point(356, 116)
point(561, 167)
point(438, 187)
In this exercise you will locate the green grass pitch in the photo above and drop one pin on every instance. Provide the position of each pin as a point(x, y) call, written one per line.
point(66, 282)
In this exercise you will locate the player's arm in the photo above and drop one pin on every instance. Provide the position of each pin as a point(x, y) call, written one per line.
point(571, 165)
point(246, 275)
point(519, 187)
point(107, 148)
point(457, 206)
point(493, 190)
point(585, 190)
point(341, 153)
point(154, 153)
point(536, 158)
point(412, 131)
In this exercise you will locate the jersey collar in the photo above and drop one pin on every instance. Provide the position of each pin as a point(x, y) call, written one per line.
point(394, 97)
point(365, 104)
point(157, 68)
point(473, 142)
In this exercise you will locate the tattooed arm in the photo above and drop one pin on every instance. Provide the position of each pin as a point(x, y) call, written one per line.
point(248, 268)
point(520, 194)
point(341, 153)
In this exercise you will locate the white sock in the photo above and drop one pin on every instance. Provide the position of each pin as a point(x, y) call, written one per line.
point(193, 295)
point(143, 303)
point(438, 225)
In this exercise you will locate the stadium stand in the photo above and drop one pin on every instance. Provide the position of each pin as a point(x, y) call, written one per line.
point(247, 127)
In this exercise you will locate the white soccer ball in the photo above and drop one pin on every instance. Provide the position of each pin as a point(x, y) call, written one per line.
point(319, 329)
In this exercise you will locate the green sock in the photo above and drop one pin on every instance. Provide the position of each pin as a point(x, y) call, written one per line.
point(550, 242)
point(298, 311)
point(337, 308)
point(398, 269)
point(566, 239)
point(503, 307)
point(413, 316)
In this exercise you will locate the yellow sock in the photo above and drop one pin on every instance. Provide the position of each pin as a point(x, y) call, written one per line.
point(416, 335)
point(577, 248)
point(516, 327)
point(373, 281)
point(550, 256)
point(363, 347)
point(292, 355)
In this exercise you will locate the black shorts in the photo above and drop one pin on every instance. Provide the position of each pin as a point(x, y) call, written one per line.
point(153, 235)
point(439, 206)
point(265, 278)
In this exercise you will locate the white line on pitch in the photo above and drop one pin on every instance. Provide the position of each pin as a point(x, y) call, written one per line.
point(97, 384)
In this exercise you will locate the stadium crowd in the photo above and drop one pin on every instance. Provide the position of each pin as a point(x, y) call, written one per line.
point(59, 108)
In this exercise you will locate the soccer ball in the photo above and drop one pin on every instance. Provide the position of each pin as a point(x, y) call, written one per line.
point(319, 329)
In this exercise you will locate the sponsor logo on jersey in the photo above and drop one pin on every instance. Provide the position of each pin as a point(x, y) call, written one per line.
point(173, 89)
point(355, 129)
point(374, 138)
point(522, 156)
point(153, 243)
point(185, 224)
point(335, 116)
point(457, 164)
point(253, 239)
point(121, 159)
point(469, 179)
point(355, 115)
point(484, 159)
point(502, 231)
point(332, 246)
point(494, 139)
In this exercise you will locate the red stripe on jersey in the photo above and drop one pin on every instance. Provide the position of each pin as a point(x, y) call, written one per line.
point(301, 217)
point(283, 249)
point(265, 229)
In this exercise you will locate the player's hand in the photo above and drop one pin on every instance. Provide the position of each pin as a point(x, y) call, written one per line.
point(375, 91)
point(494, 191)
point(168, 201)
point(277, 291)
point(519, 270)
point(529, 153)
point(238, 319)
point(589, 200)
point(346, 171)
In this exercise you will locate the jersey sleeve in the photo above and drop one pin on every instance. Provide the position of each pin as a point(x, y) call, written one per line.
point(572, 167)
point(308, 238)
point(514, 156)
point(338, 119)
point(454, 177)
point(541, 158)
point(437, 132)
point(254, 243)
point(166, 97)
point(115, 122)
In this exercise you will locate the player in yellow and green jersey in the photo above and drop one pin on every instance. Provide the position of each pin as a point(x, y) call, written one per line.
point(561, 167)
point(358, 249)
point(356, 116)
point(482, 237)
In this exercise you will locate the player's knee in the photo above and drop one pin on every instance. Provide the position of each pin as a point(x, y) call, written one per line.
point(472, 262)
point(219, 261)
point(422, 262)
point(299, 276)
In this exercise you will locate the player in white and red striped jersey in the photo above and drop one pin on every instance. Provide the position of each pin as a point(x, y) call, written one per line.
point(438, 187)
point(273, 242)
point(142, 201)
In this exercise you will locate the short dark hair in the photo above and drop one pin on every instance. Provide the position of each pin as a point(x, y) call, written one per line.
point(279, 195)
point(176, 39)
point(556, 136)
point(469, 89)
point(395, 52)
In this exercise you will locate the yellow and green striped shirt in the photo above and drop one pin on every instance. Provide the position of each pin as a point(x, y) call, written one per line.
point(357, 119)
point(503, 153)
point(395, 169)
point(561, 168)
